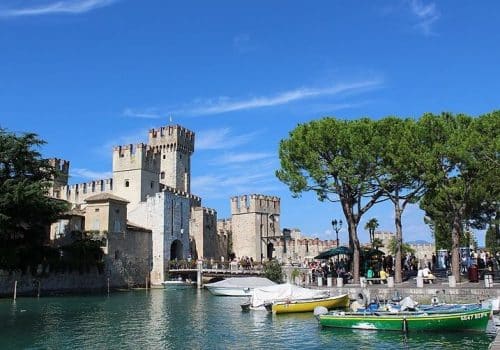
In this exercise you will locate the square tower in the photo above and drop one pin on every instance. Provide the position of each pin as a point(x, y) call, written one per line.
point(135, 173)
point(175, 144)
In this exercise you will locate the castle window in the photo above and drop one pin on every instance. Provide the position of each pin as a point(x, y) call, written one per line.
point(97, 210)
point(117, 254)
point(164, 156)
point(152, 184)
point(162, 175)
point(127, 183)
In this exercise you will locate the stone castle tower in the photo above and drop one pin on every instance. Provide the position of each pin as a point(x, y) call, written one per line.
point(175, 144)
point(61, 178)
point(135, 172)
point(255, 224)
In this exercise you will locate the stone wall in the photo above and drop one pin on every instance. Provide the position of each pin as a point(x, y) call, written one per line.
point(128, 262)
point(27, 285)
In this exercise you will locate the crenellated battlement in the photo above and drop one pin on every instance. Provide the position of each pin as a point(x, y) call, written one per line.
point(194, 199)
point(255, 203)
point(60, 165)
point(139, 156)
point(172, 138)
point(77, 193)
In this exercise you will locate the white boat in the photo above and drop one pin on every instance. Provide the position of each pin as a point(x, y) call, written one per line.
point(177, 283)
point(238, 286)
point(260, 297)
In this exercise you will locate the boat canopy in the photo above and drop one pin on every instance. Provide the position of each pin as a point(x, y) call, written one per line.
point(283, 292)
point(243, 282)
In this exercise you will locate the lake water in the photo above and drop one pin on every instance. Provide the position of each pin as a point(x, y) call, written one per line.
point(188, 319)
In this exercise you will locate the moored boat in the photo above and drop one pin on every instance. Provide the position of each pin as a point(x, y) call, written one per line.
point(238, 286)
point(263, 298)
point(413, 321)
point(308, 305)
point(177, 283)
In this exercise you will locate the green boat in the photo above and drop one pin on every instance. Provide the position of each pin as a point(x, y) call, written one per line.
point(470, 320)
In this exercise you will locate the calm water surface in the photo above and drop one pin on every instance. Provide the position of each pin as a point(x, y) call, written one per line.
point(188, 319)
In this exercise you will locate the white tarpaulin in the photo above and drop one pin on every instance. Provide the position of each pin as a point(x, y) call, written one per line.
point(281, 292)
point(243, 282)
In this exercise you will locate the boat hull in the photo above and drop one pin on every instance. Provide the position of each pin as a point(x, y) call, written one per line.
point(230, 291)
point(308, 305)
point(474, 320)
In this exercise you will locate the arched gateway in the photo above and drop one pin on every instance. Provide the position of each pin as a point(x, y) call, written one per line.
point(176, 250)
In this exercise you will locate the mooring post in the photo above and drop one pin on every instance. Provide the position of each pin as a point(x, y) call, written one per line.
point(199, 274)
point(146, 282)
point(108, 286)
point(39, 286)
point(15, 290)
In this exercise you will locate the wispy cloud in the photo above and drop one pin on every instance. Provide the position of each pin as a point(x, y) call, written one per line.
point(427, 15)
point(151, 113)
point(224, 104)
point(91, 175)
point(105, 150)
point(243, 43)
point(58, 7)
point(222, 138)
point(231, 158)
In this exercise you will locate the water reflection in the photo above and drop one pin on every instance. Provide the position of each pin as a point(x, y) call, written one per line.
point(188, 318)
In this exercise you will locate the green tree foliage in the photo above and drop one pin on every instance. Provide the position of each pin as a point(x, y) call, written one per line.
point(402, 165)
point(371, 226)
point(272, 270)
point(336, 159)
point(464, 179)
point(25, 210)
point(405, 247)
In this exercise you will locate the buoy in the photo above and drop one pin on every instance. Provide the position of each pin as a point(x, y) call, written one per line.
point(320, 310)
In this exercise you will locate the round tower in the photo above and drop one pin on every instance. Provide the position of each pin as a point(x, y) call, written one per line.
point(175, 145)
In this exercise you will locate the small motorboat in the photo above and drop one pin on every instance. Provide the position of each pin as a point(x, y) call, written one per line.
point(238, 286)
point(308, 305)
point(288, 297)
point(178, 283)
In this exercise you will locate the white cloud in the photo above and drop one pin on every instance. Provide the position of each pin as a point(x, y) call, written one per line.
point(147, 114)
point(221, 139)
point(106, 150)
point(427, 15)
point(58, 7)
point(224, 104)
point(91, 175)
point(230, 158)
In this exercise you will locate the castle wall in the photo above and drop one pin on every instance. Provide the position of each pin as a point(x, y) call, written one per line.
point(78, 193)
point(129, 257)
point(175, 144)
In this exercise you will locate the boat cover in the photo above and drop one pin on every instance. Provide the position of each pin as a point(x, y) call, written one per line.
point(282, 292)
point(242, 282)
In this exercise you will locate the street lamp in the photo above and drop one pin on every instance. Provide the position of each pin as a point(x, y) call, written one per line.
point(337, 225)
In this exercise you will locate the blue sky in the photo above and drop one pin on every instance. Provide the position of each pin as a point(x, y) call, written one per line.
point(90, 74)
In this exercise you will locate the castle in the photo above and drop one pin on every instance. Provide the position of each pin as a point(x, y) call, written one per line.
point(149, 195)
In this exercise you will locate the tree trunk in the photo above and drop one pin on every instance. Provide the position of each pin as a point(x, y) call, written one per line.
point(356, 252)
point(399, 242)
point(455, 247)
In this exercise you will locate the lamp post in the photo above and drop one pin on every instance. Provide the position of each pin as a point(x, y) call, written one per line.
point(337, 225)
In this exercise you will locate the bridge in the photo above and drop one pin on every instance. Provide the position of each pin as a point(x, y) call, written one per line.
point(219, 270)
